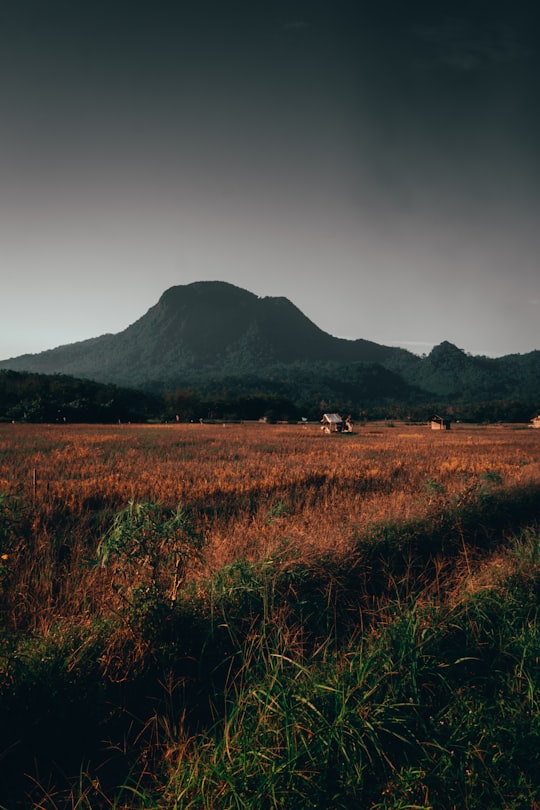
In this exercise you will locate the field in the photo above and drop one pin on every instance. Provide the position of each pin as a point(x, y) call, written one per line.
point(266, 616)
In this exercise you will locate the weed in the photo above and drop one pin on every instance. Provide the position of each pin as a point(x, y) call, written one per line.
point(149, 549)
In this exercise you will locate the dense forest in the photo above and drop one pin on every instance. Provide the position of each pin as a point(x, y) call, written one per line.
point(59, 398)
point(365, 391)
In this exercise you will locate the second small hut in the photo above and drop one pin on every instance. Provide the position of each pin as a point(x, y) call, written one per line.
point(439, 423)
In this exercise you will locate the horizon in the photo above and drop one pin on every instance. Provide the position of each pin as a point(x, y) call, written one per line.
point(377, 166)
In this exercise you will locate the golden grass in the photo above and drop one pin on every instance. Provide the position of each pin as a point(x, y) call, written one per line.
point(251, 486)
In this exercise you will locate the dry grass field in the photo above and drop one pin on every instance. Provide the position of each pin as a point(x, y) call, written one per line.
point(103, 526)
point(248, 485)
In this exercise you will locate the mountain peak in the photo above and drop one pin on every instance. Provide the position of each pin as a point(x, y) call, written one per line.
point(446, 350)
point(205, 289)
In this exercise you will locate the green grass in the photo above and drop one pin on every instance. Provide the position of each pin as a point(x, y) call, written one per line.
point(332, 684)
point(433, 706)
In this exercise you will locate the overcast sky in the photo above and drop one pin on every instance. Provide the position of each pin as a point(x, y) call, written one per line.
point(377, 163)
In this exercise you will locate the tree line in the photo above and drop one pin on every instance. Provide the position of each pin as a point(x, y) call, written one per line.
point(57, 398)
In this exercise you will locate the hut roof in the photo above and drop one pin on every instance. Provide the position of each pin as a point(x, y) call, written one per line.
point(334, 418)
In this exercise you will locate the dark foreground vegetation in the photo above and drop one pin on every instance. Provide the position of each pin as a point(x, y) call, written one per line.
point(400, 670)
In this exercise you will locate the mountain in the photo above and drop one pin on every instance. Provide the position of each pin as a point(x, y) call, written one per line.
point(211, 326)
point(455, 375)
point(220, 340)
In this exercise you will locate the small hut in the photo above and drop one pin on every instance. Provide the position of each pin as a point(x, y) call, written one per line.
point(334, 423)
point(439, 423)
point(535, 422)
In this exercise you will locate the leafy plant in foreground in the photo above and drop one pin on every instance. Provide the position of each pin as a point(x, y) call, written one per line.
point(148, 548)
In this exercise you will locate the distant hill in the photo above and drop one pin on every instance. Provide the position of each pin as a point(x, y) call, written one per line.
point(212, 336)
point(209, 325)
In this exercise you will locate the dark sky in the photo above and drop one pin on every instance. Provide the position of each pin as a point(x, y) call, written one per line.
point(375, 162)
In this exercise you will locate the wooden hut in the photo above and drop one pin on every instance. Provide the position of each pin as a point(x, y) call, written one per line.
point(439, 423)
point(334, 423)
